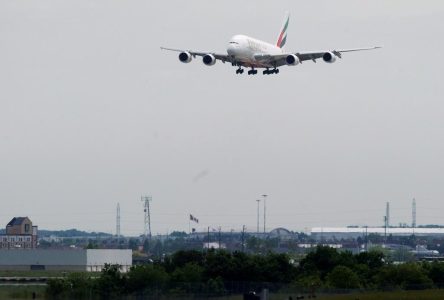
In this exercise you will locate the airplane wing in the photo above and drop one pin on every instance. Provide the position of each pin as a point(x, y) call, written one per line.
point(280, 59)
point(222, 57)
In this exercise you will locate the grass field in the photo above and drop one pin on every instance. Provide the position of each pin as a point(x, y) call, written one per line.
point(23, 292)
point(394, 295)
point(36, 273)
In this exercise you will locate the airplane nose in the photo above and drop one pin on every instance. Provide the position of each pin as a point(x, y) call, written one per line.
point(231, 49)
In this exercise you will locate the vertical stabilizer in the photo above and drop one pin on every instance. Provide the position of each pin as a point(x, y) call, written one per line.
point(282, 37)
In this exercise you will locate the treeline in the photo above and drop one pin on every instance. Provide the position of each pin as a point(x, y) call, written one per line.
point(215, 273)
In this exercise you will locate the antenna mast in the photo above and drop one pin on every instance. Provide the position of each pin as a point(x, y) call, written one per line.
point(147, 220)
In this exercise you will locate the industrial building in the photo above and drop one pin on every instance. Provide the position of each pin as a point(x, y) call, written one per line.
point(20, 233)
point(329, 233)
point(90, 260)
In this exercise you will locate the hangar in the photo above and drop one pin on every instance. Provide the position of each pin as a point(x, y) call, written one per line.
point(90, 260)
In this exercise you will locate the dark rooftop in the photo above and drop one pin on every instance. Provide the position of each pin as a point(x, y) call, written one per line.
point(16, 221)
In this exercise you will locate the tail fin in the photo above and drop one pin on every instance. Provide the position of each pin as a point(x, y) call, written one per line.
point(282, 38)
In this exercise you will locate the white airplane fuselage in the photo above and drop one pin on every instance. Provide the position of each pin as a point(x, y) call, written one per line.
point(244, 49)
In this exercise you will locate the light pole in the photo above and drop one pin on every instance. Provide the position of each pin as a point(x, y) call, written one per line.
point(258, 201)
point(265, 207)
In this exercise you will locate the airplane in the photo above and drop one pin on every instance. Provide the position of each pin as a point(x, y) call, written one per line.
point(247, 52)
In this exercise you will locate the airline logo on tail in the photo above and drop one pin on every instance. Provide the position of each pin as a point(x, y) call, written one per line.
point(283, 35)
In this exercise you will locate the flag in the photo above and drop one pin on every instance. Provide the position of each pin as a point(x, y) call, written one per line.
point(193, 218)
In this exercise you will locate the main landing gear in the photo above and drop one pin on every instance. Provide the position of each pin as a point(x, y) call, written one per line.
point(239, 71)
point(268, 72)
point(254, 71)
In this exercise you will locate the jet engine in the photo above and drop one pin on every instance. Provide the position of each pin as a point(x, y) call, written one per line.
point(329, 57)
point(292, 60)
point(185, 57)
point(209, 59)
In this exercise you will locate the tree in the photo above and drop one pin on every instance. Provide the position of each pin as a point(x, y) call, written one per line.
point(409, 276)
point(322, 260)
point(436, 273)
point(342, 277)
point(146, 277)
point(111, 283)
point(188, 278)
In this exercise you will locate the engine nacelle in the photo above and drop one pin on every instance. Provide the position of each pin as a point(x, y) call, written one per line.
point(185, 57)
point(209, 59)
point(292, 60)
point(329, 57)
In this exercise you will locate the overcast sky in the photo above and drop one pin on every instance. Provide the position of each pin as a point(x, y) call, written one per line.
point(92, 113)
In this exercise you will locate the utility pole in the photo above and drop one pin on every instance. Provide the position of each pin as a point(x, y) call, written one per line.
point(118, 222)
point(258, 201)
point(414, 213)
point(387, 214)
point(208, 237)
point(147, 220)
point(219, 236)
point(243, 237)
point(385, 229)
point(265, 207)
point(366, 238)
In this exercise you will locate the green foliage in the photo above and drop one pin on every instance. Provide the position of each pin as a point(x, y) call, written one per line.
point(219, 272)
point(410, 276)
point(373, 259)
point(111, 283)
point(215, 287)
point(188, 278)
point(181, 258)
point(133, 244)
point(80, 285)
point(436, 273)
point(146, 278)
point(307, 283)
point(178, 234)
point(57, 287)
point(342, 277)
point(322, 260)
point(92, 245)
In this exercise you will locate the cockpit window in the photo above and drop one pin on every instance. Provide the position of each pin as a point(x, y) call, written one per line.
point(234, 43)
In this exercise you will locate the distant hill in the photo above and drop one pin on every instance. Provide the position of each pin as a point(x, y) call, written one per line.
point(72, 233)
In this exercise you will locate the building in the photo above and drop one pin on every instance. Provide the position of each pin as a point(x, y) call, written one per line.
point(90, 260)
point(20, 233)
